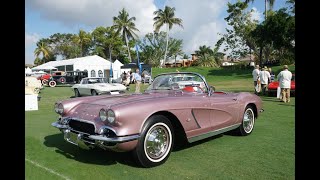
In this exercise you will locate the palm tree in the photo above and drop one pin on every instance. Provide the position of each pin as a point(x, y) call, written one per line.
point(127, 27)
point(81, 39)
point(266, 2)
point(185, 56)
point(43, 49)
point(204, 50)
point(166, 17)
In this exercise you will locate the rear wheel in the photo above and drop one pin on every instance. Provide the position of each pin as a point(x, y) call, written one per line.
point(156, 142)
point(248, 120)
point(62, 80)
point(94, 92)
point(36, 90)
point(44, 82)
point(52, 84)
point(76, 93)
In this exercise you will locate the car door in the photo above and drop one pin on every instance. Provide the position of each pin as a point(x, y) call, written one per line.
point(224, 110)
point(199, 105)
point(83, 87)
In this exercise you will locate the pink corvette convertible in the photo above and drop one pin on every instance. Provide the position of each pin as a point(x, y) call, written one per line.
point(174, 108)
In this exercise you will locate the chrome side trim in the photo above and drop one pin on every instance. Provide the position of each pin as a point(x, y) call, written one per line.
point(195, 119)
point(115, 139)
point(212, 133)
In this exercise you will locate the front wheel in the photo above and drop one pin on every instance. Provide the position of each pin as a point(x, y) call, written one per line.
point(76, 93)
point(248, 120)
point(155, 143)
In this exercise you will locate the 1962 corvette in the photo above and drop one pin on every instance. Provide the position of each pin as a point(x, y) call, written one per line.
point(150, 123)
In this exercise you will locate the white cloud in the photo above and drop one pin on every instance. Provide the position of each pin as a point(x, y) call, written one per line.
point(201, 19)
point(31, 39)
point(95, 13)
point(202, 22)
point(256, 15)
point(30, 43)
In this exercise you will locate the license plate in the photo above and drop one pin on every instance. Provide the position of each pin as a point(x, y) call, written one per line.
point(115, 92)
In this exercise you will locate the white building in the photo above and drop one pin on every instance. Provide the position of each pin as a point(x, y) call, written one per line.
point(96, 66)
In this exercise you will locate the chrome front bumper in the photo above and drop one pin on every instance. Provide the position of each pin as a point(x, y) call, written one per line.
point(87, 141)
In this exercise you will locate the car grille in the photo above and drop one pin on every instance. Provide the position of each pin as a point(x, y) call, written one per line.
point(82, 126)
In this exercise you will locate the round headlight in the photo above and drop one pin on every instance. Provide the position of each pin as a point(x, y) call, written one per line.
point(103, 115)
point(58, 108)
point(111, 116)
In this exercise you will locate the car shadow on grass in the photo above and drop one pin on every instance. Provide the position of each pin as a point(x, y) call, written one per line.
point(186, 145)
point(94, 156)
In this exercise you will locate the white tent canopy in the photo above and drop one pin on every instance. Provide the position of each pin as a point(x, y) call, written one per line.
point(28, 71)
point(45, 67)
point(95, 65)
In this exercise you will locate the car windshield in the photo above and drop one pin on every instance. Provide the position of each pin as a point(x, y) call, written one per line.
point(178, 81)
point(97, 80)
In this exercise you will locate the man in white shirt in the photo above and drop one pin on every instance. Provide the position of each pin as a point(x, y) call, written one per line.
point(137, 78)
point(255, 74)
point(284, 78)
point(264, 79)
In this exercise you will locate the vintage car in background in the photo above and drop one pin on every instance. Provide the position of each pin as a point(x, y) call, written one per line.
point(149, 124)
point(272, 87)
point(96, 86)
point(32, 85)
point(69, 77)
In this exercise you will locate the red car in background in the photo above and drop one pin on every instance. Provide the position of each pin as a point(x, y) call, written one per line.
point(272, 87)
point(45, 78)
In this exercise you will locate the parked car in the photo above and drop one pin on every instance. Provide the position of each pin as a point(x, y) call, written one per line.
point(32, 85)
point(149, 124)
point(272, 87)
point(44, 78)
point(97, 86)
point(69, 77)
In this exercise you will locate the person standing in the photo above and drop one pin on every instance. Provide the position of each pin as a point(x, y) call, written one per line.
point(284, 78)
point(264, 79)
point(137, 78)
point(271, 74)
point(255, 75)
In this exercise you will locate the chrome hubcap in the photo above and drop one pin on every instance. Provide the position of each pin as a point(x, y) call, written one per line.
point(248, 120)
point(157, 142)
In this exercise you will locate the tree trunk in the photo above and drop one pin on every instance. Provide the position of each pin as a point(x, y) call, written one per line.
point(265, 9)
point(175, 61)
point(260, 55)
point(165, 53)
point(125, 34)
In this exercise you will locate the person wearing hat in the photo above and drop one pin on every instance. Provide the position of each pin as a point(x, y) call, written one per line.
point(284, 78)
point(255, 75)
point(264, 79)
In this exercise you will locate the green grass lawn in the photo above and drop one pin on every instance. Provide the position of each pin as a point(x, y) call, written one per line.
point(268, 153)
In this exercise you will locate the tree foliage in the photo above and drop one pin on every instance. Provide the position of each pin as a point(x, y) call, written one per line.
point(208, 57)
point(105, 38)
point(153, 45)
point(238, 39)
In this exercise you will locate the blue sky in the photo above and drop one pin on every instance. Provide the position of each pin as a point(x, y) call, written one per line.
point(202, 19)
